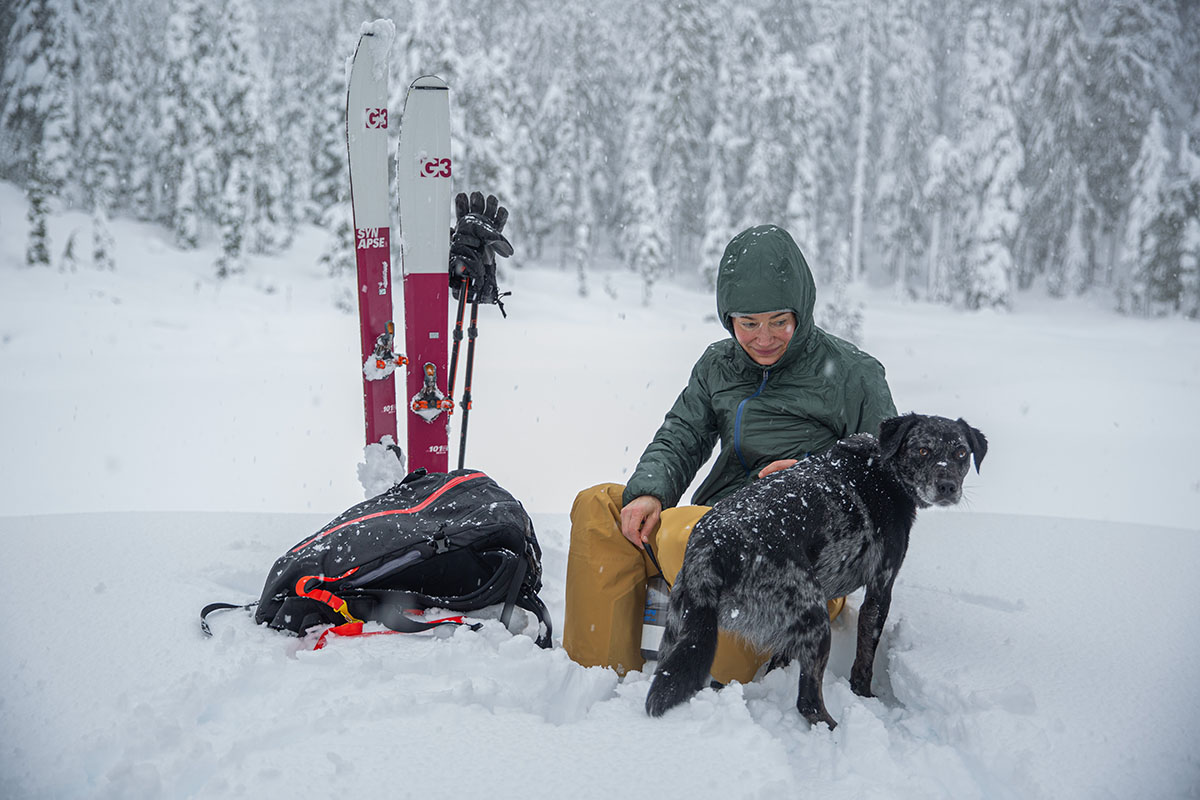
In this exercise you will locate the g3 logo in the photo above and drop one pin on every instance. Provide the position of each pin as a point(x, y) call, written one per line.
point(376, 117)
point(435, 168)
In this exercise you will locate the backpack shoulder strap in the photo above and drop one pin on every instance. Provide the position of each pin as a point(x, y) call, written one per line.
point(388, 608)
point(532, 603)
point(211, 607)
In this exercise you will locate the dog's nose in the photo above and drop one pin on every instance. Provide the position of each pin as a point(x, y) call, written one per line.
point(946, 488)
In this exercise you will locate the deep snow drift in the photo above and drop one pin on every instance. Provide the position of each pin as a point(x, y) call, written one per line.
point(1043, 640)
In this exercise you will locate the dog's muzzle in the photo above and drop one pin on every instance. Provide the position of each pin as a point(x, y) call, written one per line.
point(942, 491)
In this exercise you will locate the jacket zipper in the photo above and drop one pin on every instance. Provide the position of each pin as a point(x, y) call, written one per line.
point(737, 421)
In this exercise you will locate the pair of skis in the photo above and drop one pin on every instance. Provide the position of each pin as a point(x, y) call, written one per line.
point(423, 176)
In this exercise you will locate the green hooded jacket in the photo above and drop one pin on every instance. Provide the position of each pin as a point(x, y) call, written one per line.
point(821, 390)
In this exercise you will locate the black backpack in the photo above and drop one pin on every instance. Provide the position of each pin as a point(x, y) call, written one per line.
point(435, 540)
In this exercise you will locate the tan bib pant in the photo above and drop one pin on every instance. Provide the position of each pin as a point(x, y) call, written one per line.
point(606, 586)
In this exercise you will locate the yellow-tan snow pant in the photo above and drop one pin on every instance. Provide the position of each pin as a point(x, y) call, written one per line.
point(606, 587)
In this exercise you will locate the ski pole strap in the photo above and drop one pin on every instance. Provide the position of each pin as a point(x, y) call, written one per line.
point(211, 607)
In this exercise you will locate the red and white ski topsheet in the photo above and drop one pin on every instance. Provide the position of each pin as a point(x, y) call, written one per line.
point(366, 141)
point(423, 173)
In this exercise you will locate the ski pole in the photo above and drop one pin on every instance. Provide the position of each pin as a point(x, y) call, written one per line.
point(472, 334)
point(458, 335)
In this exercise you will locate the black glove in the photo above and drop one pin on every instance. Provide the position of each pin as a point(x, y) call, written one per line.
point(474, 244)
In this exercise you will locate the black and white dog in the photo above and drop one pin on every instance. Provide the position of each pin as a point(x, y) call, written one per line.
point(765, 560)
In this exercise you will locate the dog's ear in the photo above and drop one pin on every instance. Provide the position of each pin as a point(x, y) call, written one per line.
point(976, 439)
point(892, 432)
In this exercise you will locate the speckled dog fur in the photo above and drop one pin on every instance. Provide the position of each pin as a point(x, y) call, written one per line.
point(765, 560)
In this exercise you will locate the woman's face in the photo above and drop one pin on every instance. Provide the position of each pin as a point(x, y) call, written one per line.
point(765, 336)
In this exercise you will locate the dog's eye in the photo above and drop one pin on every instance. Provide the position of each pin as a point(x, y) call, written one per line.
point(922, 451)
point(960, 453)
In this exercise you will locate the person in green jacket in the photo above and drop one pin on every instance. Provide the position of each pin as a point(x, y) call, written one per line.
point(778, 390)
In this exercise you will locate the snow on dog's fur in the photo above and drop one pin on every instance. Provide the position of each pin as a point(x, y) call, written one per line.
point(765, 560)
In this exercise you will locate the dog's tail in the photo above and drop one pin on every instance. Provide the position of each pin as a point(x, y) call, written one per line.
point(688, 647)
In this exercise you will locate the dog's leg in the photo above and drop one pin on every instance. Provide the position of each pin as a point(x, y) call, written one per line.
point(777, 661)
point(871, 618)
point(809, 646)
point(688, 647)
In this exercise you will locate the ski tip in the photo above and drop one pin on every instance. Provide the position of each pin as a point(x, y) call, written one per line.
point(383, 28)
point(428, 82)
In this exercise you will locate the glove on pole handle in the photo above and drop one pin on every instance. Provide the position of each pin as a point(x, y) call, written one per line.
point(472, 333)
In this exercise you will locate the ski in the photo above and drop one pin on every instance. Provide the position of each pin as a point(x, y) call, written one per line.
point(423, 173)
point(367, 146)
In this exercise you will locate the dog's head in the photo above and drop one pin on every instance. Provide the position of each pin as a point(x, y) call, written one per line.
point(931, 455)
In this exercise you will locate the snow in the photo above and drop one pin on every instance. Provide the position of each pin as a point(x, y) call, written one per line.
point(378, 36)
point(381, 467)
point(167, 437)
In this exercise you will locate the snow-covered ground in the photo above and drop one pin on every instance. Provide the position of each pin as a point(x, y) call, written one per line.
point(167, 437)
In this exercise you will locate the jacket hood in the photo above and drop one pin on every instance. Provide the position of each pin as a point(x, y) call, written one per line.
point(763, 270)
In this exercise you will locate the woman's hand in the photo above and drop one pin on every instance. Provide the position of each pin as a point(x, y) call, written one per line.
point(638, 518)
point(775, 466)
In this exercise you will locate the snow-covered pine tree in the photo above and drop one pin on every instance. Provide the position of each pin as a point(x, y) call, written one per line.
point(681, 42)
point(233, 222)
point(717, 230)
point(1055, 236)
point(22, 82)
point(243, 139)
point(991, 153)
point(562, 149)
point(1141, 273)
point(295, 64)
point(803, 211)
point(1138, 58)
point(133, 91)
point(582, 120)
point(772, 130)
point(180, 104)
point(331, 172)
point(37, 248)
point(741, 49)
point(828, 142)
point(337, 257)
point(62, 94)
point(1189, 268)
point(272, 197)
point(862, 131)
point(900, 218)
point(103, 116)
point(802, 216)
point(40, 88)
point(942, 195)
point(69, 261)
point(644, 247)
point(481, 83)
point(103, 243)
point(1189, 239)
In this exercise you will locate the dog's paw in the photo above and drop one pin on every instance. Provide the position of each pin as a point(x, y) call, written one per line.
point(818, 715)
point(665, 693)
